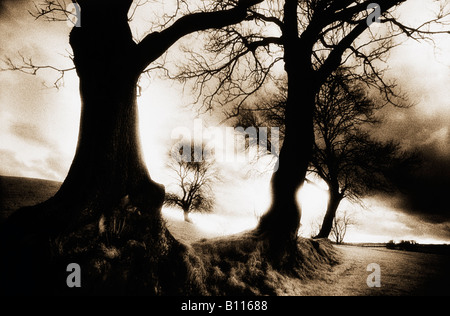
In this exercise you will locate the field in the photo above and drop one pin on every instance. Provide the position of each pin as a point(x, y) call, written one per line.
point(401, 272)
point(20, 192)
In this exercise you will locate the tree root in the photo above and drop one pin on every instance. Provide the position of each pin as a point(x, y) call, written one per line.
point(126, 250)
point(241, 265)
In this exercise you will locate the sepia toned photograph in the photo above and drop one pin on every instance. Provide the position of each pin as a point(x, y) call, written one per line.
point(224, 152)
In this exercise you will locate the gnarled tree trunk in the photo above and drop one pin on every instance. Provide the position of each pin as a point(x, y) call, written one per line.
point(108, 164)
point(106, 215)
point(282, 221)
point(333, 204)
point(107, 179)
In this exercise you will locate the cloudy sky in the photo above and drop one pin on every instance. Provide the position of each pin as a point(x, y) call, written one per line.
point(39, 127)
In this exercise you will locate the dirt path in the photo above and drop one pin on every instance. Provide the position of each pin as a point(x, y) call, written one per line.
point(402, 273)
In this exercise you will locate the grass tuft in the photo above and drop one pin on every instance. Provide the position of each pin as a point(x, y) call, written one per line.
point(239, 265)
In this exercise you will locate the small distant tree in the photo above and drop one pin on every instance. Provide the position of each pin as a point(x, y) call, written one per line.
point(408, 245)
point(390, 244)
point(194, 175)
point(341, 223)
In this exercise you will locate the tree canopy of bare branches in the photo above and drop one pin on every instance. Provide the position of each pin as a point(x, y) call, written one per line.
point(193, 178)
point(304, 43)
point(108, 180)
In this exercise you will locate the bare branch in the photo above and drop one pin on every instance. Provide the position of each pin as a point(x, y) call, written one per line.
point(27, 66)
point(52, 11)
point(155, 44)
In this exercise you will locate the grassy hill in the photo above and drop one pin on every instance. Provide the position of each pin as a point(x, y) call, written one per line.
point(18, 192)
point(225, 265)
point(402, 272)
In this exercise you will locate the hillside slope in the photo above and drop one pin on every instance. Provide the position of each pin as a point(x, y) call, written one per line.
point(402, 273)
point(16, 192)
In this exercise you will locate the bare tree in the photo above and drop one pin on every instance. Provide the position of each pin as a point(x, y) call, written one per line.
point(341, 222)
point(108, 174)
point(194, 178)
point(345, 156)
point(312, 38)
point(350, 162)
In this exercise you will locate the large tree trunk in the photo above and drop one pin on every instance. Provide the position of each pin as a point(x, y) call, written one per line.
point(106, 215)
point(282, 221)
point(333, 204)
point(186, 215)
point(108, 163)
point(283, 217)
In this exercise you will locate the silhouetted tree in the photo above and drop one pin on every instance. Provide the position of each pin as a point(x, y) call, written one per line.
point(108, 174)
point(344, 155)
point(341, 223)
point(194, 176)
point(350, 162)
point(312, 38)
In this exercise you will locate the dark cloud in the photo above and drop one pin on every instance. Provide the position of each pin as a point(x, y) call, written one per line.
point(425, 192)
point(3, 7)
point(424, 189)
point(6, 5)
point(31, 134)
